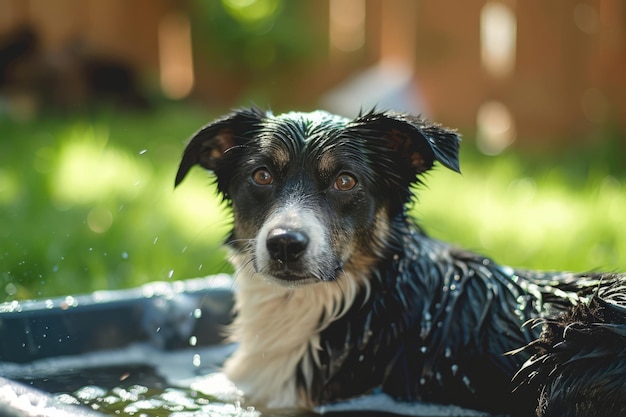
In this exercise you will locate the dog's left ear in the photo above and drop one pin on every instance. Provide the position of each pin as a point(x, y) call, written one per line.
point(414, 141)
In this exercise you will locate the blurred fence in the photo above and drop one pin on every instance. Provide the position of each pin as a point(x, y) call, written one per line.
point(533, 69)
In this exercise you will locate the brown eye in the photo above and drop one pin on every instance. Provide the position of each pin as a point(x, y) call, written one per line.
point(262, 177)
point(344, 182)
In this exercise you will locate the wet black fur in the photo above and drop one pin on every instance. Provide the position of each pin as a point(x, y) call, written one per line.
point(439, 321)
point(579, 362)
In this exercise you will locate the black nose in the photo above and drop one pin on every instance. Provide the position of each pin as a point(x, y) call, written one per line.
point(286, 245)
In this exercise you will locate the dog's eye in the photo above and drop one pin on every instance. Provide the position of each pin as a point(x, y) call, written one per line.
point(262, 177)
point(344, 182)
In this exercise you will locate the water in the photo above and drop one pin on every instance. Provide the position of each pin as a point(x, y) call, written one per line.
point(144, 394)
point(138, 381)
point(133, 390)
point(141, 381)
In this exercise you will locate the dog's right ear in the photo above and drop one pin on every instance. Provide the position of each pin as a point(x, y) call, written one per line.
point(209, 146)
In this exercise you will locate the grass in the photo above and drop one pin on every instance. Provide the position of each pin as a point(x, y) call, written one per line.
point(87, 203)
point(529, 215)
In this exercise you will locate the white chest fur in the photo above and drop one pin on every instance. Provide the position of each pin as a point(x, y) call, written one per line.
point(275, 328)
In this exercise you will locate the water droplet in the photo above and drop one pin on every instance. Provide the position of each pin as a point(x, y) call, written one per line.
point(66, 399)
point(422, 381)
point(196, 360)
point(55, 268)
point(49, 304)
point(170, 274)
point(68, 302)
point(448, 353)
point(156, 239)
point(423, 349)
point(124, 255)
point(193, 340)
point(361, 358)
point(143, 151)
point(197, 313)
point(90, 392)
point(10, 289)
point(454, 368)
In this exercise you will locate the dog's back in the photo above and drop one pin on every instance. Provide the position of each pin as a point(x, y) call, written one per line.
point(443, 328)
point(578, 364)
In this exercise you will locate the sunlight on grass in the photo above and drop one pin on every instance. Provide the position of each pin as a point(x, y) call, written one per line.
point(196, 208)
point(9, 186)
point(87, 170)
point(542, 223)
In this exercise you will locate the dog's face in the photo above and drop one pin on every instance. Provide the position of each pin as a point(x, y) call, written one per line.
point(312, 193)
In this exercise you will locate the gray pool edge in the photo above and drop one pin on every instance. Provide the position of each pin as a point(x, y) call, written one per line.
point(164, 315)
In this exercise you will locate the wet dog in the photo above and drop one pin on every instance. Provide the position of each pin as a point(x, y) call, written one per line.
point(340, 293)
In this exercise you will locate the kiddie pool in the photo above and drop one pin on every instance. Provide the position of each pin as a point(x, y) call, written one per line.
point(145, 352)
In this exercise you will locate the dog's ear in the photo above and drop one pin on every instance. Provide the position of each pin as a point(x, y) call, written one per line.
point(209, 146)
point(415, 142)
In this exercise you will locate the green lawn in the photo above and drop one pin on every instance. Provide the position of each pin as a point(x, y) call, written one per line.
point(87, 203)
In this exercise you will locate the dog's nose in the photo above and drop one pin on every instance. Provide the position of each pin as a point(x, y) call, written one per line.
point(286, 245)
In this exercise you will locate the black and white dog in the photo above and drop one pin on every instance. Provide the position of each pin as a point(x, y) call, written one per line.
point(340, 293)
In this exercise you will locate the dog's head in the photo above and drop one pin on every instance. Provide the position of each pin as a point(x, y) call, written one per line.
point(314, 194)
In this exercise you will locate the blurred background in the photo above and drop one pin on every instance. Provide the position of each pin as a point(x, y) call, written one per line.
point(98, 98)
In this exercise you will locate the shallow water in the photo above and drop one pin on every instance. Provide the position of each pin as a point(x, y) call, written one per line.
point(141, 381)
point(141, 401)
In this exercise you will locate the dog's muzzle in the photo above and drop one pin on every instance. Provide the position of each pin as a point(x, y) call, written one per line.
point(292, 248)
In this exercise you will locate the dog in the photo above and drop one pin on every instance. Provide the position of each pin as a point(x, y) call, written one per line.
point(340, 293)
